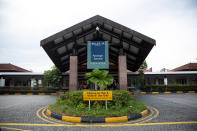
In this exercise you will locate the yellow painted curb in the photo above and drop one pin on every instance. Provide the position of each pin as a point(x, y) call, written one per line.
point(107, 119)
point(29, 93)
point(71, 119)
point(130, 125)
point(48, 112)
point(17, 93)
point(191, 92)
point(179, 92)
point(155, 92)
point(145, 112)
point(116, 119)
point(9, 128)
point(167, 92)
point(142, 92)
point(41, 93)
point(54, 94)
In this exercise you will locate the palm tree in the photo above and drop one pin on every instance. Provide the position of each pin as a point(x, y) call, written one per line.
point(100, 78)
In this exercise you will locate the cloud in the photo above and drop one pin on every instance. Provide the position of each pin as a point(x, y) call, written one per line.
point(24, 23)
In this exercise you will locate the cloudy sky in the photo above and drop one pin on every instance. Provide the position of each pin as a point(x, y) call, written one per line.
point(172, 23)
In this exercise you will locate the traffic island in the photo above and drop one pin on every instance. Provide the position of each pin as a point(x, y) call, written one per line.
point(97, 107)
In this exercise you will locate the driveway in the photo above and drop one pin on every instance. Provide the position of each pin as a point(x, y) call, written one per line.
point(168, 112)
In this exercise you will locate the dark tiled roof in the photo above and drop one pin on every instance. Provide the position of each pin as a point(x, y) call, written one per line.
point(187, 67)
point(11, 68)
point(73, 41)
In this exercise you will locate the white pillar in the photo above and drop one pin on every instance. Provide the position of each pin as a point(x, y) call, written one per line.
point(165, 81)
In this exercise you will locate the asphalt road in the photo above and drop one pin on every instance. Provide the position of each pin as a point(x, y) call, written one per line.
point(172, 112)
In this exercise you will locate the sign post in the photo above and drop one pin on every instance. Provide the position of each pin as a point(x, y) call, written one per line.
point(89, 104)
point(106, 105)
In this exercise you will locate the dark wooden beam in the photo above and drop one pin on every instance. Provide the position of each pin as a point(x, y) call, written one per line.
point(84, 39)
point(130, 53)
point(121, 50)
point(82, 61)
point(74, 50)
point(123, 39)
point(66, 53)
point(82, 34)
point(117, 54)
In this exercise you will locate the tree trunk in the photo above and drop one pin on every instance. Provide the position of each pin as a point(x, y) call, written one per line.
point(96, 86)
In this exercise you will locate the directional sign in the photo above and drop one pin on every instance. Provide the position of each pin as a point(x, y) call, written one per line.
point(97, 95)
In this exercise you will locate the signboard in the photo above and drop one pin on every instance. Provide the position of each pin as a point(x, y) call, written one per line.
point(97, 95)
point(39, 82)
point(98, 56)
point(33, 82)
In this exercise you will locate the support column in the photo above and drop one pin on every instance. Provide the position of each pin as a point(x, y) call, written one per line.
point(122, 72)
point(2, 82)
point(165, 80)
point(157, 81)
point(64, 82)
point(73, 73)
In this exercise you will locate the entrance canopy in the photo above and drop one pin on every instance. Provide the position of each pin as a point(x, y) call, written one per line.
point(73, 42)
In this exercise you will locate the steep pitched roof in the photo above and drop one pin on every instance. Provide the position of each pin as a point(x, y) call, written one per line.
point(187, 67)
point(73, 41)
point(7, 67)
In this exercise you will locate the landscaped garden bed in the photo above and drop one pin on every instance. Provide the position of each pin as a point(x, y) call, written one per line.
point(72, 104)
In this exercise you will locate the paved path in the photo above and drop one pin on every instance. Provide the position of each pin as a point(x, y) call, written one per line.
point(171, 112)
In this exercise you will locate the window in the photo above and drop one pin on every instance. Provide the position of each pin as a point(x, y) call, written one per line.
point(181, 81)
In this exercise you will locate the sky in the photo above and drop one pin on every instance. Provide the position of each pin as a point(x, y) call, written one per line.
point(24, 23)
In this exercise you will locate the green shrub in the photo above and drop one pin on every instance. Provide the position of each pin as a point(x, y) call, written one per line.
point(173, 87)
point(81, 106)
point(28, 88)
point(17, 88)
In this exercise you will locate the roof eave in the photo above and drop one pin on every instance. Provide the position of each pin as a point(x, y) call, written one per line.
point(91, 20)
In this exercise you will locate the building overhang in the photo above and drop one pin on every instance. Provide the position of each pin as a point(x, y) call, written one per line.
point(73, 41)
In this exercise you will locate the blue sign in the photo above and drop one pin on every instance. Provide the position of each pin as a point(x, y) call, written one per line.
point(98, 55)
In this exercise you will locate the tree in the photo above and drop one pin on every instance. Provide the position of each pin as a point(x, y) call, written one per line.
point(141, 79)
point(52, 77)
point(144, 65)
point(100, 78)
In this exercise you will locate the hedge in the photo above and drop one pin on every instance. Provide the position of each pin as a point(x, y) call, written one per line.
point(119, 98)
point(27, 88)
point(163, 88)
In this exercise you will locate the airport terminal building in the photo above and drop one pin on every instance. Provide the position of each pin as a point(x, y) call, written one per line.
point(99, 43)
point(16, 78)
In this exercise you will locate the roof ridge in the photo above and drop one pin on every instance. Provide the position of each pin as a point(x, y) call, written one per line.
point(11, 67)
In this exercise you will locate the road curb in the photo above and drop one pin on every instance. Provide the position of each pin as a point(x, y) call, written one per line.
point(53, 94)
point(142, 92)
point(97, 120)
point(168, 92)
